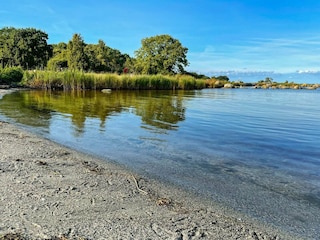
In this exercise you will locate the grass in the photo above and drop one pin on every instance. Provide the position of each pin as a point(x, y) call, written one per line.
point(77, 80)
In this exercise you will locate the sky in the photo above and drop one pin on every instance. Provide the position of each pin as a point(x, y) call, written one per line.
point(221, 35)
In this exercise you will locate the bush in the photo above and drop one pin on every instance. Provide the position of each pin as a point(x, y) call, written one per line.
point(11, 75)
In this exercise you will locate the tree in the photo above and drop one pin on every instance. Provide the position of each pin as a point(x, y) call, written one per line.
point(196, 75)
point(105, 59)
point(223, 78)
point(60, 57)
point(268, 80)
point(130, 65)
point(77, 57)
point(6, 46)
point(161, 54)
point(27, 48)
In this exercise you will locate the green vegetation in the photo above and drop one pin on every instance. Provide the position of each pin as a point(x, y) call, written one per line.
point(26, 48)
point(159, 64)
point(161, 54)
point(11, 76)
point(77, 65)
point(77, 55)
point(77, 80)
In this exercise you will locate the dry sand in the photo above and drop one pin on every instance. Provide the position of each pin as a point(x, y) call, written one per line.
point(48, 191)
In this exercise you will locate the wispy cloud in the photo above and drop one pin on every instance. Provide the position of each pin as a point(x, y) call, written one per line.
point(55, 22)
point(268, 54)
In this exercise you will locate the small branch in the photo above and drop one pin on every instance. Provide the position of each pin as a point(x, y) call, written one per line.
point(137, 186)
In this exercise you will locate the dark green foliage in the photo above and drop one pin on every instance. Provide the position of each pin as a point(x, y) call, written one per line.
point(102, 58)
point(59, 61)
point(69, 65)
point(161, 54)
point(77, 58)
point(11, 75)
point(77, 55)
point(223, 78)
point(26, 48)
point(196, 75)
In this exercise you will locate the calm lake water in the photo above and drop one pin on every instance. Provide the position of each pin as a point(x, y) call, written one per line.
point(256, 151)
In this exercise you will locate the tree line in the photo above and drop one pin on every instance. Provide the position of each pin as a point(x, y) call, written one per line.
point(28, 48)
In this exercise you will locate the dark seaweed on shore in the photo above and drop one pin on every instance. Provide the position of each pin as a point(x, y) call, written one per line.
point(18, 236)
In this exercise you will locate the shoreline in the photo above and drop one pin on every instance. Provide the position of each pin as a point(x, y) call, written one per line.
point(49, 191)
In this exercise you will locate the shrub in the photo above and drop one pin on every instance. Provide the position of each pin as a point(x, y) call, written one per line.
point(12, 75)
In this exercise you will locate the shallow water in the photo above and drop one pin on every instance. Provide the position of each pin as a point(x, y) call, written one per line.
point(257, 151)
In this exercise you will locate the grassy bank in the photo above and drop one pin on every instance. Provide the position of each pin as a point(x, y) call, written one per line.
point(76, 80)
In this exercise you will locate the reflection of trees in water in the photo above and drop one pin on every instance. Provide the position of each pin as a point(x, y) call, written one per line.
point(17, 106)
point(160, 109)
point(163, 113)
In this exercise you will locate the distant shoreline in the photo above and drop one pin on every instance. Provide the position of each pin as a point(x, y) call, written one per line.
point(294, 86)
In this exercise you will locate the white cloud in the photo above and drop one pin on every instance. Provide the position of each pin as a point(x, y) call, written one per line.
point(278, 54)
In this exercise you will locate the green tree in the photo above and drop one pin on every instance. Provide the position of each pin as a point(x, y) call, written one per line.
point(27, 48)
point(60, 57)
point(6, 46)
point(223, 78)
point(161, 54)
point(196, 75)
point(97, 56)
point(268, 80)
point(105, 59)
point(129, 65)
point(77, 57)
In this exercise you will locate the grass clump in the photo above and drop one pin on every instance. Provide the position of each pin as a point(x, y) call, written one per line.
point(77, 80)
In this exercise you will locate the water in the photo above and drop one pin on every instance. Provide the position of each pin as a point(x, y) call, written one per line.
point(256, 151)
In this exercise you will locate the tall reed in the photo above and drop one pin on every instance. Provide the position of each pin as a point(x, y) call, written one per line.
point(76, 80)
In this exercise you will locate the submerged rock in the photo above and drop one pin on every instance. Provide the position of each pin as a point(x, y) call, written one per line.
point(107, 90)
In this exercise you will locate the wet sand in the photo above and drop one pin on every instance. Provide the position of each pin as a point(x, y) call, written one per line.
point(48, 191)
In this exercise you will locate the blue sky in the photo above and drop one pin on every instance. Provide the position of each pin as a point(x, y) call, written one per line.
point(221, 35)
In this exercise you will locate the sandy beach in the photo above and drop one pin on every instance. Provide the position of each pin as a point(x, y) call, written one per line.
point(48, 191)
